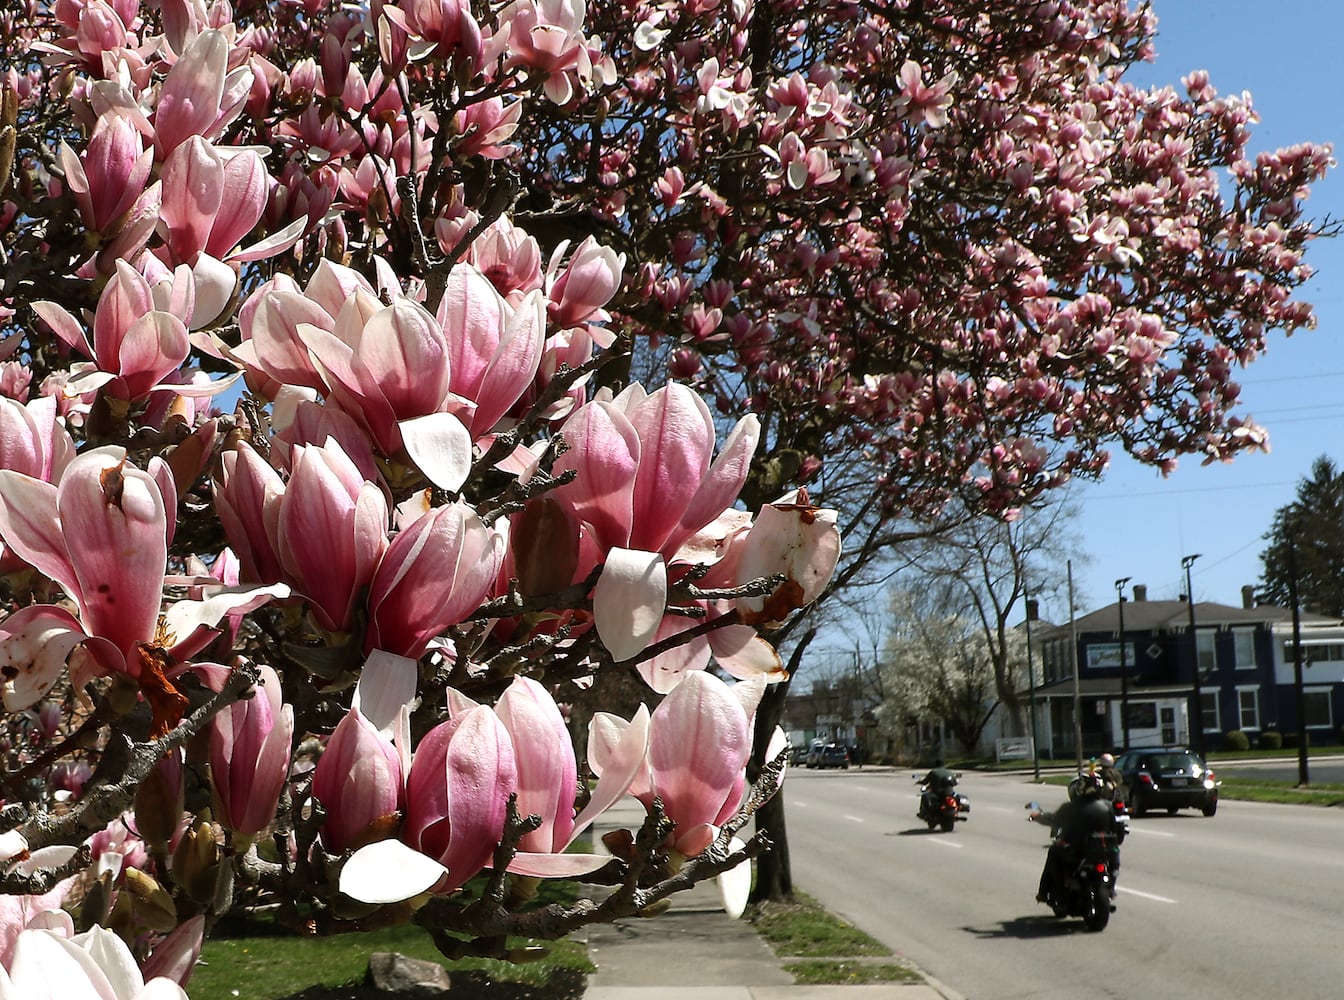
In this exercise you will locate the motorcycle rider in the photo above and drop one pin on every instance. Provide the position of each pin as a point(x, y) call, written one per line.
point(937, 783)
point(1087, 811)
point(1109, 775)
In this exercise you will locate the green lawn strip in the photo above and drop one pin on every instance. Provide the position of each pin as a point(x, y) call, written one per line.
point(251, 957)
point(837, 952)
point(1268, 790)
point(1258, 790)
point(840, 972)
point(267, 966)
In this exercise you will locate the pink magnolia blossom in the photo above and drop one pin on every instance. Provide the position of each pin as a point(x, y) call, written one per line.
point(330, 531)
point(135, 346)
point(547, 778)
point(249, 756)
point(201, 96)
point(457, 792)
point(434, 573)
point(102, 534)
point(358, 780)
point(110, 176)
point(494, 347)
point(585, 283)
point(545, 37)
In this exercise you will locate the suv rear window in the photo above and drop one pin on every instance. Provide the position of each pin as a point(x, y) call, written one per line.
point(1171, 761)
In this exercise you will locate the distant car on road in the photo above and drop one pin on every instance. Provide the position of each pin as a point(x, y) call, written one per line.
point(828, 755)
point(1167, 778)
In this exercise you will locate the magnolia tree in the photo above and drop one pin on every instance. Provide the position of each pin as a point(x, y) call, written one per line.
point(318, 651)
point(428, 254)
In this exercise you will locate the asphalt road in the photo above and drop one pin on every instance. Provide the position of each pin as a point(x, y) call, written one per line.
point(1248, 903)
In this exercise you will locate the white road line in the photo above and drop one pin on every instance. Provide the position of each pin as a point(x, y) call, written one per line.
point(1150, 833)
point(943, 842)
point(1146, 895)
point(856, 819)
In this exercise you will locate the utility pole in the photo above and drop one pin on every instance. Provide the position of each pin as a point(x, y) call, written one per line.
point(1303, 779)
point(1031, 694)
point(1124, 668)
point(1073, 658)
point(1197, 723)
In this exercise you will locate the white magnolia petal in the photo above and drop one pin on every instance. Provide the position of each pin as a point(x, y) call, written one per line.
point(744, 654)
point(629, 601)
point(556, 865)
point(386, 683)
point(12, 842)
point(185, 617)
point(215, 283)
point(114, 958)
point(200, 390)
point(278, 242)
point(161, 989)
point(388, 872)
point(440, 446)
point(623, 752)
point(47, 967)
point(779, 742)
point(735, 884)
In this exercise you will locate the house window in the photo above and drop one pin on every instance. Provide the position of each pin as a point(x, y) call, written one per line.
point(1315, 652)
point(1208, 712)
point(1204, 651)
point(1316, 706)
point(1248, 706)
point(1243, 641)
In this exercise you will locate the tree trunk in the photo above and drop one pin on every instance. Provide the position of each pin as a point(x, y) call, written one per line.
point(774, 876)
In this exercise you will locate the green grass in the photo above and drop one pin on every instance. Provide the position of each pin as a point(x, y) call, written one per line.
point(1267, 790)
point(266, 965)
point(836, 951)
point(1257, 790)
point(254, 958)
point(838, 972)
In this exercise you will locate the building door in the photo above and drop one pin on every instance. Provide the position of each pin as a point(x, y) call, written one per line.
point(1168, 725)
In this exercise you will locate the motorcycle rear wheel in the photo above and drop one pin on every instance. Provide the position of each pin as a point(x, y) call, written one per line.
point(949, 823)
point(1098, 911)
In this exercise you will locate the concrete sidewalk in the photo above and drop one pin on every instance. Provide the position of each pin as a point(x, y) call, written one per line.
point(695, 951)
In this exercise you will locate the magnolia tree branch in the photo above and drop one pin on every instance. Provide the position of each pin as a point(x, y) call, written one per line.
point(105, 802)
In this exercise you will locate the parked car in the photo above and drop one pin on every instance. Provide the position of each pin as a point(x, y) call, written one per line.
point(1167, 778)
point(828, 755)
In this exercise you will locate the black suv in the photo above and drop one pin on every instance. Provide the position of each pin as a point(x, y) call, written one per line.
point(1167, 778)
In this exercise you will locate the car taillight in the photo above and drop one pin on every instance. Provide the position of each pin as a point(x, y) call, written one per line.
point(1146, 778)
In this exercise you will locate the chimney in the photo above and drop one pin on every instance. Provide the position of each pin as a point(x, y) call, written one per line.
point(1140, 592)
point(1248, 596)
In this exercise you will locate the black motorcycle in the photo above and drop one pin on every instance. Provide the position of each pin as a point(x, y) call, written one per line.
point(1090, 886)
point(942, 806)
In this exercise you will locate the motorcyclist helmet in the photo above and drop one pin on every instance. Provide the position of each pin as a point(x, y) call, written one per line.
point(1087, 785)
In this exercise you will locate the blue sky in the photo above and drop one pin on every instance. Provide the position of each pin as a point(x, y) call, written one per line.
point(1134, 522)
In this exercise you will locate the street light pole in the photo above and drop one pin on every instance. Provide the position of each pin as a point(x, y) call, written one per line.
point(1073, 659)
point(1124, 666)
point(1197, 726)
point(1031, 694)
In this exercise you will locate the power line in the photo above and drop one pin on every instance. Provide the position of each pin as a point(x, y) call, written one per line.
point(1192, 489)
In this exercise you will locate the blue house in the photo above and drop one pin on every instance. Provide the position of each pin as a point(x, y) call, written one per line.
point(1244, 657)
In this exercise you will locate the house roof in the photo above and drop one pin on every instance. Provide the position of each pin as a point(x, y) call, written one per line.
point(1109, 687)
point(1174, 616)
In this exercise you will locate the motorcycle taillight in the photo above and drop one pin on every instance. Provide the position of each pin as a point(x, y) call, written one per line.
point(1101, 867)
